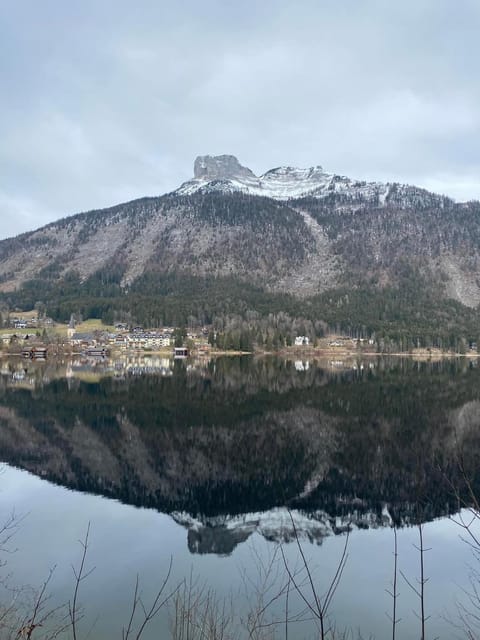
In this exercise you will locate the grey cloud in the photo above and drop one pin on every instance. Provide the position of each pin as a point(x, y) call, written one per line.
point(105, 101)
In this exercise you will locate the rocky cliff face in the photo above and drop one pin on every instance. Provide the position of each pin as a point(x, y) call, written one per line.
point(209, 168)
point(225, 174)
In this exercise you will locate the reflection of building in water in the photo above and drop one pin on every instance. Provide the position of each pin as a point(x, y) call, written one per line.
point(337, 363)
point(302, 366)
point(347, 364)
point(138, 366)
point(132, 365)
point(4, 368)
point(38, 373)
point(21, 377)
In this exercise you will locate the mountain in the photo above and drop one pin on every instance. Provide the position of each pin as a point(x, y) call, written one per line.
point(226, 175)
point(311, 244)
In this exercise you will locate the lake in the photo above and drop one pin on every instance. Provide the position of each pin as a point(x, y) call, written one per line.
point(228, 470)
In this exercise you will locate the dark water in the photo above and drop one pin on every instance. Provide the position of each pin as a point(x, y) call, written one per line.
point(206, 462)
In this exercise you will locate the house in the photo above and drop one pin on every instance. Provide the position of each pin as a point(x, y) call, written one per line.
point(35, 352)
point(302, 341)
point(180, 352)
point(83, 340)
point(120, 341)
point(143, 340)
point(301, 366)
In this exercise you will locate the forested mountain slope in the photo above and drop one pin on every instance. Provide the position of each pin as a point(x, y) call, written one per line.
point(227, 242)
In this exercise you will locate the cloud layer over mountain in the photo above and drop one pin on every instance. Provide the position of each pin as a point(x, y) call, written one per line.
point(104, 102)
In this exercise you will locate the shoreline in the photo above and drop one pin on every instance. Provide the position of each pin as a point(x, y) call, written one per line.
point(308, 353)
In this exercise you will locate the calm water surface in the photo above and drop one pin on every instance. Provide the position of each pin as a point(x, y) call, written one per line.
point(203, 463)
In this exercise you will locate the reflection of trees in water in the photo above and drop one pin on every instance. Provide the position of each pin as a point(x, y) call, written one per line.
point(246, 435)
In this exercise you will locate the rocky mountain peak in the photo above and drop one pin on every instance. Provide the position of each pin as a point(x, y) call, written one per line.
point(225, 173)
point(219, 168)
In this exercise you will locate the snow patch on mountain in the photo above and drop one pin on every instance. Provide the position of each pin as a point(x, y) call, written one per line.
point(227, 175)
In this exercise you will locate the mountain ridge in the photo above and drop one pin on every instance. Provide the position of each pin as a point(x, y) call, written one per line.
point(222, 243)
point(225, 174)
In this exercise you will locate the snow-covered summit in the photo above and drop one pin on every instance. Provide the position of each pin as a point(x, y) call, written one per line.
point(225, 174)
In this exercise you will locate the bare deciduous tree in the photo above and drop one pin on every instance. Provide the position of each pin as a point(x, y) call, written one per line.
point(318, 604)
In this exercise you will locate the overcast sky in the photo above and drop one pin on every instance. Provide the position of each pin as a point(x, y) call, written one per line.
point(102, 101)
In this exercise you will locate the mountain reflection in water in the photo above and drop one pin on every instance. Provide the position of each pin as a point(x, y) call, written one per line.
point(229, 446)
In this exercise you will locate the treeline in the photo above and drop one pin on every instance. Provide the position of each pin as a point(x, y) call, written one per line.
point(402, 317)
point(409, 313)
